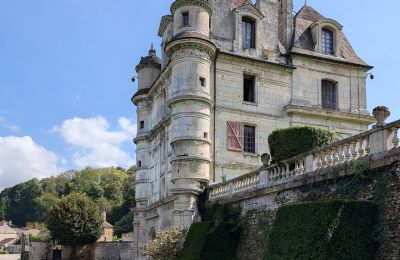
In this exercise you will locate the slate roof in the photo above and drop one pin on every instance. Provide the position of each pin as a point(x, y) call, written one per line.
point(303, 42)
point(151, 59)
point(6, 241)
point(190, 34)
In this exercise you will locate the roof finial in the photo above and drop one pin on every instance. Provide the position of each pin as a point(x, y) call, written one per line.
point(152, 51)
point(305, 2)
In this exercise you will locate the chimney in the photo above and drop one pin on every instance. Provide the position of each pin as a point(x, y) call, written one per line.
point(104, 215)
point(10, 223)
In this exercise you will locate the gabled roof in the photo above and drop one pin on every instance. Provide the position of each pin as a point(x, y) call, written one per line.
point(303, 42)
point(7, 241)
point(239, 3)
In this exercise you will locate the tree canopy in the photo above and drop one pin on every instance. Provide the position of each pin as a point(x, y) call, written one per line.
point(111, 188)
point(75, 220)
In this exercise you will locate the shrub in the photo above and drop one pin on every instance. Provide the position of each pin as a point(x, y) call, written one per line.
point(211, 241)
point(166, 245)
point(75, 220)
point(3, 252)
point(324, 230)
point(289, 142)
point(221, 213)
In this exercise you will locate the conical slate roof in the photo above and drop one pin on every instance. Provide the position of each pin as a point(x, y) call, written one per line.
point(149, 60)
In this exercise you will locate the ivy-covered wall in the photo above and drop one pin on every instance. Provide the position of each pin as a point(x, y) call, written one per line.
point(380, 186)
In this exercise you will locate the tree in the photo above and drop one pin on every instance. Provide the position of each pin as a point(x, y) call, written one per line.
point(43, 205)
point(75, 220)
point(167, 244)
point(124, 225)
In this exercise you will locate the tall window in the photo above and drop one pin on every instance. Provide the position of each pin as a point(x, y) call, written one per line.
point(327, 42)
point(249, 33)
point(249, 88)
point(249, 139)
point(185, 19)
point(329, 95)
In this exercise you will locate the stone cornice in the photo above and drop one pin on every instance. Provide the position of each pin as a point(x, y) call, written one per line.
point(193, 43)
point(199, 3)
point(329, 114)
point(251, 9)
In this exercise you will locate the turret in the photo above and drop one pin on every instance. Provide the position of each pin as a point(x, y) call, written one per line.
point(191, 15)
point(190, 100)
point(148, 69)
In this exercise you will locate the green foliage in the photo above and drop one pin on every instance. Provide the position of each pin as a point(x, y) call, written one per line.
point(211, 241)
point(124, 225)
point(289, 142)
point(166, 245)
point(324, 230)
point(43, 205)
point(21, 199)
point(39, 238)
point(75, 220)
point(221, 213)
point(3, 252)
point(113, 190)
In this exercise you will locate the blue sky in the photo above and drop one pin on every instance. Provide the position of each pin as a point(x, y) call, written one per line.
point(66, 65)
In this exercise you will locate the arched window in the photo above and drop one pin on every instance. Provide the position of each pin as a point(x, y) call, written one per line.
point(329, 94)
point(249, 33)
point(152, 234)
point(327, 42)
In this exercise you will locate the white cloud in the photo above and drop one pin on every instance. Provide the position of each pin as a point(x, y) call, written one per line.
point(22, 159)
point(94, 144)
point(8, 126)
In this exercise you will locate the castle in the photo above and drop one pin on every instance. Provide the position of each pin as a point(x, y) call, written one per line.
point(230, 73)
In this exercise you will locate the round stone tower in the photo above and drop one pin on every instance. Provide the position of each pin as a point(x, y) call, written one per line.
point(148, 70)
point(189, 98)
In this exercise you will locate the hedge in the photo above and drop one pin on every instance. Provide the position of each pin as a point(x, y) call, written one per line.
point(211, 241)
point(289, 142)
point(324, 230)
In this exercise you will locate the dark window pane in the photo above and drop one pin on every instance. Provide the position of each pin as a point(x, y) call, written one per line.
point(185, 17)
point(329, 95)
point(249, 33)
point(249, 89)
point(327, 42)
point(249, 139)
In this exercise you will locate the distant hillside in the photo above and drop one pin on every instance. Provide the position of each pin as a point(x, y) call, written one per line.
point(113, 189)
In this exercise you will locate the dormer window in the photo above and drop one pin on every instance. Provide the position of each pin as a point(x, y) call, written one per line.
point(327, 42)
point(185, 19)
point(249, 33)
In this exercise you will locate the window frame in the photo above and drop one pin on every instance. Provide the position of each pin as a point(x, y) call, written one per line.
point(185, 19)
point(327, 41)
point(141, 125)
point(253, 92)
point(332, 104)
point(246, 145)
point(249, 23)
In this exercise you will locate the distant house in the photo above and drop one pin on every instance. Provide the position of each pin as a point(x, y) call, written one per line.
point(5, 243)
point(7, 231)
point(107, 235)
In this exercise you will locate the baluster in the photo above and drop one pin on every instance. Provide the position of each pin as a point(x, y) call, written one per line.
point(319, 162)
point(355, 150)
point(361, 149)
point(301, 168)
point(396, 141)
point(367, 146)
point(324, 160)
point(342, 154)
point(329, 158)
point(336, 158)
point(296, 169)
point(348, 153)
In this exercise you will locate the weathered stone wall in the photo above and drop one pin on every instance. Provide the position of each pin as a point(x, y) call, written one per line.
point(101, 251)
point(40, 250)
point(375, 179)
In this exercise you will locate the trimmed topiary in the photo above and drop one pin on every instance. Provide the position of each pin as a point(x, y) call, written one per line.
point(289, 142)
point(324, 230)
point(211, 241)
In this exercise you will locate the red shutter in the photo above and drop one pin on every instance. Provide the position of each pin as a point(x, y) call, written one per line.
point(235, 136)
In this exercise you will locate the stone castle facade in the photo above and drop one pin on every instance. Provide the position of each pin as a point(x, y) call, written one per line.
point(230, 73)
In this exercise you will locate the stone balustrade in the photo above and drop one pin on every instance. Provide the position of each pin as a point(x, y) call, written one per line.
point(377, 140)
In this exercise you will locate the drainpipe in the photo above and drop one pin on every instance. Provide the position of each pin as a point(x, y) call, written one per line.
point(215, 110)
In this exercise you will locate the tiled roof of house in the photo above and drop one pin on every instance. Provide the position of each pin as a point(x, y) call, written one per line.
point(6, 241)
point(304, 44)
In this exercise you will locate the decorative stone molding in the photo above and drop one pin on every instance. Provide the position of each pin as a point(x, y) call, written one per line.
point(194, 46)
point(199, 3)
